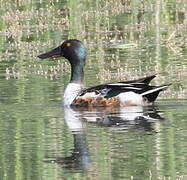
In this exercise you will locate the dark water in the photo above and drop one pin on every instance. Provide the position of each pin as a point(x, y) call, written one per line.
point(40, 139)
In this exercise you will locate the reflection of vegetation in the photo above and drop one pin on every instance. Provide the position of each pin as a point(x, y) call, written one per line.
point(27, 27)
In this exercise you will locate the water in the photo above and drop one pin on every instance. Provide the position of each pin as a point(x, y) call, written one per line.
point(40, 139)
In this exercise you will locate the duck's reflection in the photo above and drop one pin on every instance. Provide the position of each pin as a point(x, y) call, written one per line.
point(123, 118)
point(80, 158)
point(117, 119)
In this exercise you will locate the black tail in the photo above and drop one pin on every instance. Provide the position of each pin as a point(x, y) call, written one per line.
point(152, 94)
point(147, 79)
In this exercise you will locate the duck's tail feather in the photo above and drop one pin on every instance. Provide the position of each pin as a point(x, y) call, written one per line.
point(147, 79)
point(152, 94)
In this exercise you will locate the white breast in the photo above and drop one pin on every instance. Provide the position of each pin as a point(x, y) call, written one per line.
point(71, 92)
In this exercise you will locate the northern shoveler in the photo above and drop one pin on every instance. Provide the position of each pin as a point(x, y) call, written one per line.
point(127, 93)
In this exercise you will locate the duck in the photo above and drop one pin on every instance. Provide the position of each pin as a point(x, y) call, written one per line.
point(136, 92)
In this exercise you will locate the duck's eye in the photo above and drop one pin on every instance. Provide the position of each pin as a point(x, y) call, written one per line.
point(68, 44)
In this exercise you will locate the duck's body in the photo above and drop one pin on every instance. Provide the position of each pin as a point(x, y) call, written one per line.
point(128, 93)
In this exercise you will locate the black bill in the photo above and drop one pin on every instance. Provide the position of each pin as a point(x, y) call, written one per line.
point(55, 53)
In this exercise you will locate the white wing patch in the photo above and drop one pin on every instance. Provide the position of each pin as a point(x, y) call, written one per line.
point(89, 94)
point(119, 84)
point(132, 88)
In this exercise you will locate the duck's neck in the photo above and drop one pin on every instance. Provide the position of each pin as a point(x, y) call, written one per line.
point(77, 74)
